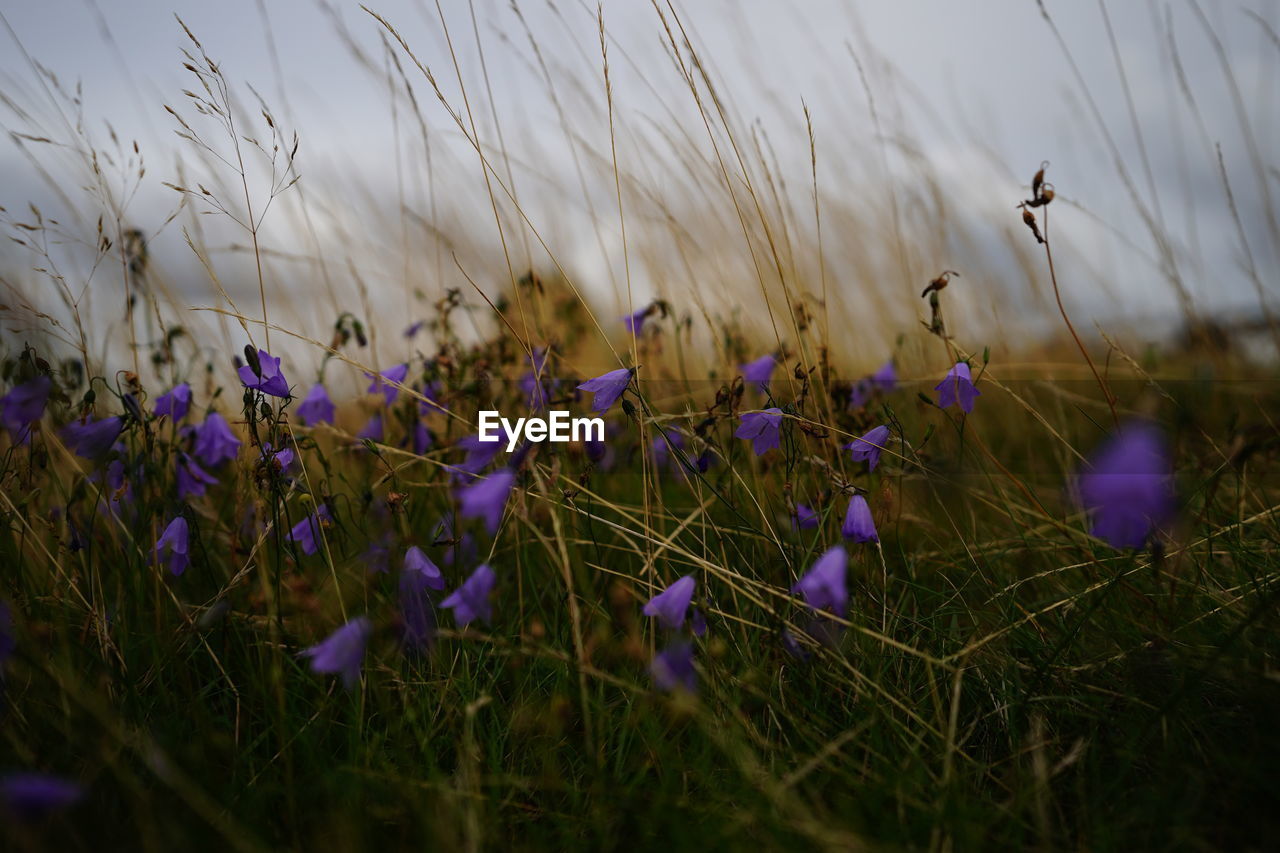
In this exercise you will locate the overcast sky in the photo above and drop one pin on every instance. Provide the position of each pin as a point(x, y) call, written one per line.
point(982, 85)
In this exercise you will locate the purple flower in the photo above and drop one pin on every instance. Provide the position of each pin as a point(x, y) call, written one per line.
point(31, 795)
point(536, 385)
point(175, 402)
point(419, 565)
point(316, 407)
point(487, 498)
point(215, 442)
point(7, 642)
point(471, 600)
point(416, 611)
point(269, 379)
point(760, 371)
point(762, 428)
point(957, 387)
point(607, 388)
point(1128, 486)
point(192, 479)
point(479, 453)
point(804, 519)
point(698, 623)
point(886, 378)
point(394, 374)
point(421, 438)
point(307, 531)
point(176, 539)
point(343, 651)
point(281, 458)
point(92, 439)
point(412, 330)
point(634, 322)
point(823, 586)
point(671, 605)
point(372, 430)
point(869, 447)
point(662, 446)
point(24, 405)
point(673, 668)
point(858, 525)
point(859, 393)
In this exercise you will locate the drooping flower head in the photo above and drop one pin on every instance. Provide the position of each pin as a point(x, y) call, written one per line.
point(421, 438)
point(823, 587)
point(634, 322)
point(858, 524)
point(758, 373)
point(90, 438)
point(607, 388)
point(307, 532)
point(24, 405)
point(267, 378)
point(316, 407)
point(672, 604)
point(869, 447)
point(372, 430)
point(471, 600)
point(886, 378)
point(662, 445)
point(487, 498)
point(479, 453)
point(957, 387)
point(672, 668)
point(176, 542)
point(280, 459)
point(388, 391)
point(419, 566)
point(804, 518)
point(1128, 486)
point(33, 795)
point(342, 652)
point(537, 385)
point(174, 403)
point(417, 613)
point(193, 480)
point(215, 441)
point(763, 428)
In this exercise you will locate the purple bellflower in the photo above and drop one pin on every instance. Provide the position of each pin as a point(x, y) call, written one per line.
point(389, 392)
point(957, 387)
point(886, 378)
point(634, 322)
point(192, 479)
point(804, 518)
point(175, 403)
point(307, 532)
point(471, 600)
point(419, 565)
point(176, 540)
point(758, 373)
point(316, 407)
point(372, 430)
point(858, 524)
point(92, 439)
point(672, 604)
point(342, 652)
point(672, 668)
point(1128, 486)
point(215, 441)
point(823, 587)
point(487, 498)
point(869, 447)
point(763, 428)
point(24, 405)
point(269, 380)
point(607, 388)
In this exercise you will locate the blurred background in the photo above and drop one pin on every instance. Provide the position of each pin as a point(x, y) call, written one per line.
point(756, 155)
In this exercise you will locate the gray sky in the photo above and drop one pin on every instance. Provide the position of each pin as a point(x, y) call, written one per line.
point(982, 88)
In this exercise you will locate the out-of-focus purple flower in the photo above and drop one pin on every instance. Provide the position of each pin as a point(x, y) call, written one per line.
point(411, 331)
point(176, 540)
point(270, 380)
point(886, 378)
point(394, 374)
point(479, 453)
point(342, 652)
point(281, 458)
point(419, 565)
point(758, 373)
point(372, 430)
point(869, 447)
point(858, 524)
point(92, 439)
point(192, 479)
point(672, 604)
point(823, 586)
point(7, 642)
point(793, 647)
point(471, 600)
point(307, 532)
point(175, 402)
point(634, 322)
point(763, 428)
point(421, 438)
point(537, 385)
point(33, 795)
point(957, 387)
point(859, 393)
point(698, 623)
point(804, 519)
point(417, 613)
point(215, 442)
point(487, 498)
point(662, 446)
point(1128, 486)
point(316, 407)
point(705, 460)
point(607, 388)
point(672, 668)
point(24, 405)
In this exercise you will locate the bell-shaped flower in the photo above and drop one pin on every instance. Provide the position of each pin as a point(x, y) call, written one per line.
point(762, 428)
point(176, 543)
point(215, 442)
point(487, 498)
point(174, 403)
point(858, 524)
point(869, 447)
point(91, 439)
point(823, 587)
point(672, 668)
point(471, 600)
point(388, 391)
point(1128, 486)
point(192, 479)
point(342, 652)
point(24, 405)
point(758, 373)
point(672, 604)
point(268, 378)
point(804, 518)
point(957, 387)
point(607, 388)
point(886, 378)
point(307, 532)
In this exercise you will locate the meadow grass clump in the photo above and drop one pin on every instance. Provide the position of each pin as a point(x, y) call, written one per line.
point(268, 589)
